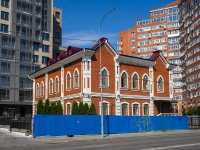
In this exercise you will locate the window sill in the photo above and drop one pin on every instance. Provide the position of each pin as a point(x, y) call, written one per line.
point(124, 89)
point(56, 92)
point(135, 89)
point(50, 93)
point(160, 91)
point(76, 88)
point(145, 90)
point(68, 89)
point(104, 87)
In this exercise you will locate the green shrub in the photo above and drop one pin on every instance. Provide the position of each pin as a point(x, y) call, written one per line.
point(86, 109)
point(81, 109)
point(75, 108)
point(40, 107)
point(53, 108)
point(59, 108)
point(92, 110)
point(47, 108)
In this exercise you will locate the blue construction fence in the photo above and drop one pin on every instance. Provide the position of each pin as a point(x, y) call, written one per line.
point(61, 125)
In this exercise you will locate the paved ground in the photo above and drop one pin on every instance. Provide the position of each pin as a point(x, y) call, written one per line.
point(170, 140)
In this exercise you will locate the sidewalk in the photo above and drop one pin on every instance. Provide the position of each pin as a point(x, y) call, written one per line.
point(55, 139)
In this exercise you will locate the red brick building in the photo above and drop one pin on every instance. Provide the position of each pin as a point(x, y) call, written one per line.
point(130, 85)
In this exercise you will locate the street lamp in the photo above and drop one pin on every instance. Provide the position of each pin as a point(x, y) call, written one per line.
point(102, 129)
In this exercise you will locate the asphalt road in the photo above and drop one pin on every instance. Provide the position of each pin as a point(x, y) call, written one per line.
point(189, 140)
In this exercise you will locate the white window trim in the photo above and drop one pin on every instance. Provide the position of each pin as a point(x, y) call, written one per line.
point(107, 74)
point(69, 82)
point(126, 80)
point(138, 107)
point(138, 81)
point(148, 83)
point(42, 89)
point(55, 85)
point(108, 106)
point(143, 108)
point(37, 90)
point(163, 84)
point(128, 107)
point(50, 92)
point(74, 79)
point(70, 108)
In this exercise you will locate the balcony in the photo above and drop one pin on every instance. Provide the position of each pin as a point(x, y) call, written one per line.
point(6, 44)
point(25, 99)
point(4, 70)
point(26, 86)
point(24, 10)
point(4, 97)
point(3, 84)
point(24, 73)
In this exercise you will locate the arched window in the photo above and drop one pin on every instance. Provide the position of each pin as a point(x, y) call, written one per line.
point(68, 81)
point(105, 108)
point(56, 85)
point(135, 81)
point(136, 109)
point(50, 86)
point(68, 109)
point(146, 109)
point(75, 79)
point(124, 109)
point(160, 84)
point(37, 90)
point(42, 89)
point(145, 83)
point(124, 80)
point(104, 78)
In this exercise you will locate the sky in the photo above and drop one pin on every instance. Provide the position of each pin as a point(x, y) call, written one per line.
point(81, 19)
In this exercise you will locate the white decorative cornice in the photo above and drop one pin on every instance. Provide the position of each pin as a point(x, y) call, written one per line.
point(78, 95)
point(67, 60)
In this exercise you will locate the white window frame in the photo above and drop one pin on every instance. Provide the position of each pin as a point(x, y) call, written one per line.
point(50, 90)
point(74, 79)
point(68, 103)
point(148, 84)
point(126, 79)
point(56, 90)
point(163, 84)
point(103, 103)
point(70, 81)
point(138, 81)
point(138, 108)
point(143, 109)
point(127, 108)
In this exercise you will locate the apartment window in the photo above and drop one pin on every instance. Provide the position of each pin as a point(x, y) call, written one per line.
point(104, 78)
point(4, 28)
point(76, 79)
point(5, 3)
point(57, 24)
point(135, 81)
point(58, 15)
point(45, 36)
point(160, 19)
point(57, 35)
point(160, 84)
point(35, 58)
point(4, 15)
point(146, 109)
point(124, 80)
point(136, 110)
point(145, 83)
point(45, 48)
point(36, 46)
point(44, 59)
point(124, 109)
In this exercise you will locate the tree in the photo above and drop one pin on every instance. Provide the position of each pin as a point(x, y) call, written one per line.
point(93, 110)
point(81, 109)
point(75, 109)
point(184, 112)
point(47, 108)
point(40, 107)
point(198, 110)
point(53, 108)
point(59, 108)
point(86, 109)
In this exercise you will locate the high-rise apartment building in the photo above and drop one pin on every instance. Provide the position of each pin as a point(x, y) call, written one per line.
point(159, 32)
point(26, 41)
point(190, 39)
